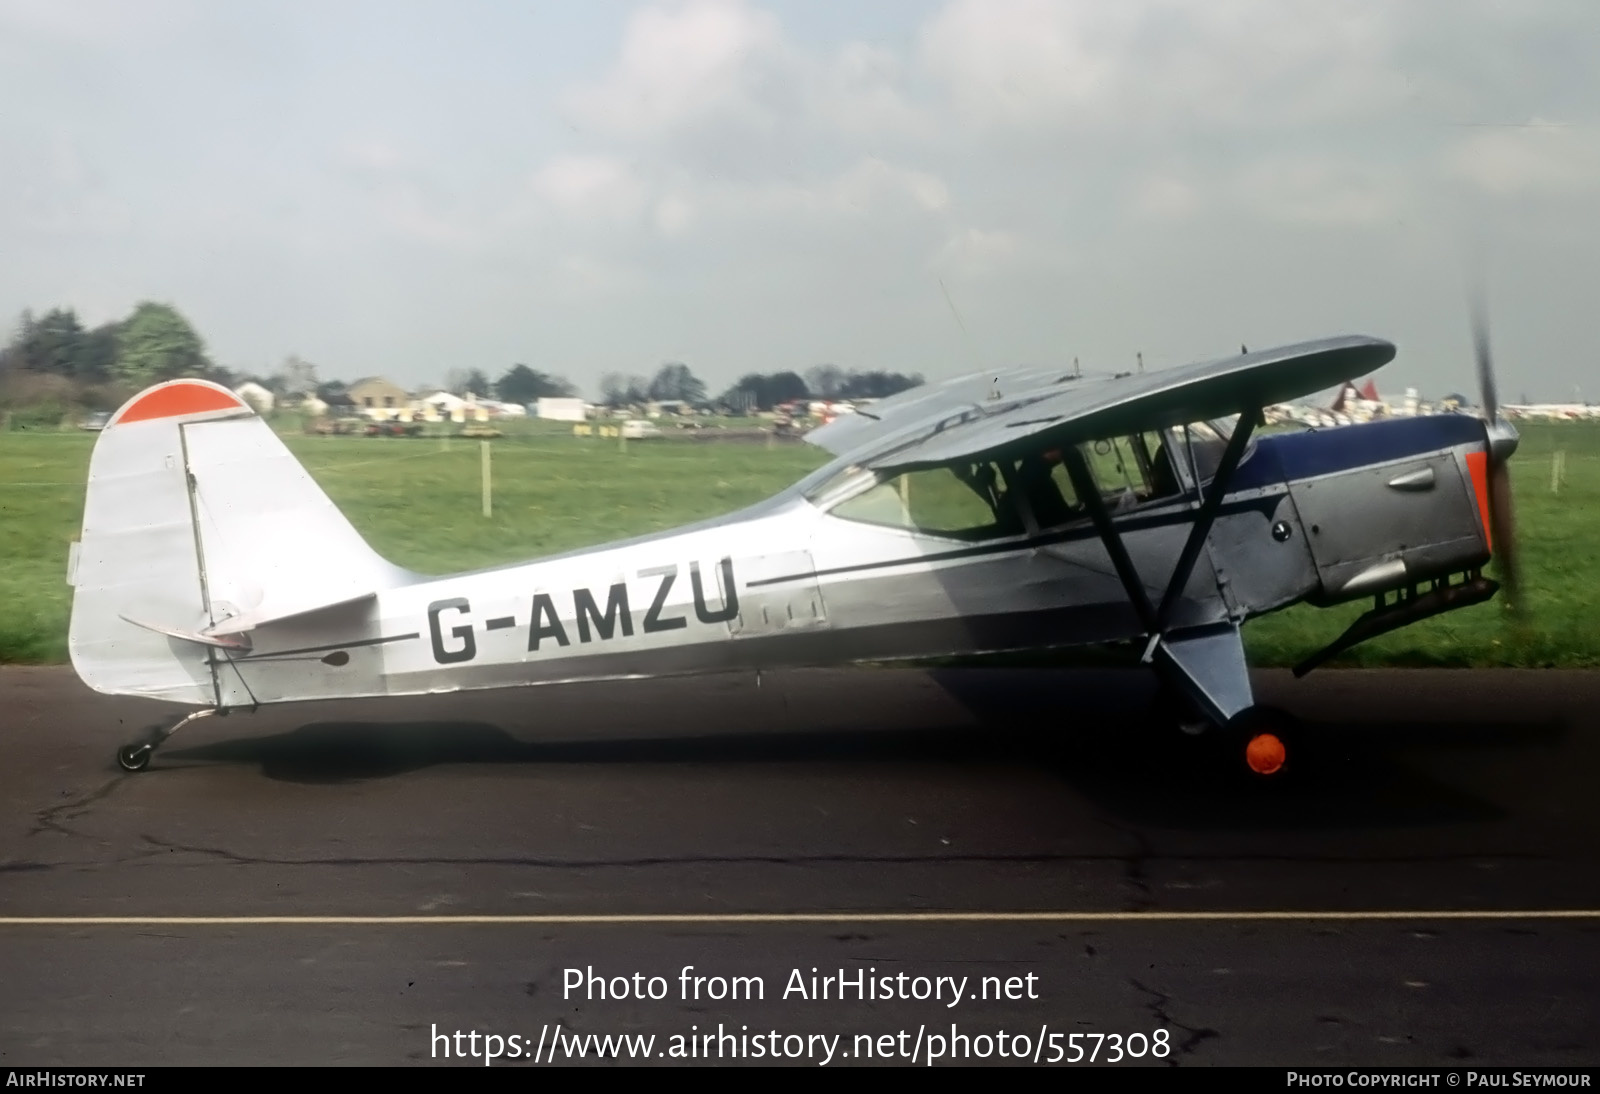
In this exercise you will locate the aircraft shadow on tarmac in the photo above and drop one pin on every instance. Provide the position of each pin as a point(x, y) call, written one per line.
point(1107, 750)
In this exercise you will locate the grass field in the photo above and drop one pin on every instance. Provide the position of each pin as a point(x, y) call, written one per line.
point(417, 501)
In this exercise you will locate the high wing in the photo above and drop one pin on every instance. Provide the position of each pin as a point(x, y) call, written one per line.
point(978, 415)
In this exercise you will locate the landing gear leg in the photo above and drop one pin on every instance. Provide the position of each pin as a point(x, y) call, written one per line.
point(136, 757)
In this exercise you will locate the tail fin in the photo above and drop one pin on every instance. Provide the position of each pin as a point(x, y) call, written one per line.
point(199, 525)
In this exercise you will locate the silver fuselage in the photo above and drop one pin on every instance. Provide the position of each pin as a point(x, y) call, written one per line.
point(1326, 516)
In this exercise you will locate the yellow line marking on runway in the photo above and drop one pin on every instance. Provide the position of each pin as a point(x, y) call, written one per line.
point(780, 918)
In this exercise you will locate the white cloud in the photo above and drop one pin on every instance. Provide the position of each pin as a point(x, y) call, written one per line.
point(874, 184)
point(862, 92)
point(100, 24)
point(975, 252)
point(1090, 65)
point(1537, 158)
point(1165, 197)
point(592, 186)
point(1310, 190)
point(1026, 62)
point(674, 213)
point(681, 66)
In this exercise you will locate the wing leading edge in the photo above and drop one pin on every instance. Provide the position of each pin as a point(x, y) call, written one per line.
point(979, 415)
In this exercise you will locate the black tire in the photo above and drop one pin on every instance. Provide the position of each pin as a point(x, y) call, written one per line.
point(134, 757)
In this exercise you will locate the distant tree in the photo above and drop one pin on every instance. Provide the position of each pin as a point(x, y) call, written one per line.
point(333, 392)
point(617, 390)
point(156, 343)
point(522, 385)
point(825, 381)
point(59, 345)
point(673, 380)
point(296, 377)
point(54, 343)
point(759, 391)
point(466, 382)
point(97, 362)
point(14, 357)
point(876, 385)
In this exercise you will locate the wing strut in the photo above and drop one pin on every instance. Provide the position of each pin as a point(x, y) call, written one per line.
point(1089, 493)
point(1157, 620)
point(1211, 502)
point(1208, 663)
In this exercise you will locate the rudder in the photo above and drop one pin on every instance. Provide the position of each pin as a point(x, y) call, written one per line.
point(199, 525)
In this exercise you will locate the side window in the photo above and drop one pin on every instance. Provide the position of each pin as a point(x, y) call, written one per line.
point(1207, 440)
point(1043, 478)
point(1132, 469)
point(965, 502)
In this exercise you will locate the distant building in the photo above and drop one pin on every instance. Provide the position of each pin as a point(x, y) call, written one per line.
point(441, 406)
point(376, 397)
point(561, 410)
point(257, 396)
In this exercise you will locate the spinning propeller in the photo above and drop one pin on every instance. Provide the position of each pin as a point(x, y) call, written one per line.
point(1502, 442)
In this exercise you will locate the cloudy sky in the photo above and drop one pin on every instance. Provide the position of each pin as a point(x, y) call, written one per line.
point(411, 188)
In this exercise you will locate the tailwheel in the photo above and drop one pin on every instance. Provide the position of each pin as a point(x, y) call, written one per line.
point(1262, 744)
point(135, 757)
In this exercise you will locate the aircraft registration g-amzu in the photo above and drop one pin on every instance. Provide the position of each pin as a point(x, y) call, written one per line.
point(1004, 511)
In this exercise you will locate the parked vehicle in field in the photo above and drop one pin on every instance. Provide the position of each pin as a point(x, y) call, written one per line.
point(329, 427)
point(483, 432)
point(394, 429)
point(637, 429)
point(96, 421)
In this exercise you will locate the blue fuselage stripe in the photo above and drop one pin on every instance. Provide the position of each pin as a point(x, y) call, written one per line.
point(1287, 457)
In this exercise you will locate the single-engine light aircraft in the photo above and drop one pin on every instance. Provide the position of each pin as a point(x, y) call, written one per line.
point(1005, 511)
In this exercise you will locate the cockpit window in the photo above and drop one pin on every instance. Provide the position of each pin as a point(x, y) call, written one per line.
point(1206, 443)
point(994, 498)
point(964, 501)
point(1132, 469)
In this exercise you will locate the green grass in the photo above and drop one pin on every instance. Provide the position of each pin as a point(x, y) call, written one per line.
point(417, 501)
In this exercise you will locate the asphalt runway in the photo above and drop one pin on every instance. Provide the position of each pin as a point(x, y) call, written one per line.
point(297, 886)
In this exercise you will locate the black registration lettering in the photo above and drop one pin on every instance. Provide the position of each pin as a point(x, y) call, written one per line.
point(605, 625)
point(546, 623)
point(469, 645)
point(730, 598)
point(653, 622)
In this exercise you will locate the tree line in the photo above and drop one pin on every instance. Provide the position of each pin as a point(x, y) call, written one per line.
point(54, 361)
point(755, 390)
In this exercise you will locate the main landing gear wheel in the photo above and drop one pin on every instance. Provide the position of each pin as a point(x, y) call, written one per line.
point(1262, 745)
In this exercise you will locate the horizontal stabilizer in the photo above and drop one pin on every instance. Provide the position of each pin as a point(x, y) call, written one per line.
point(226, 642)
point(250, 620)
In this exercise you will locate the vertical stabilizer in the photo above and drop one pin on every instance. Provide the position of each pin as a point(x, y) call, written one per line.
point(198, 525)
